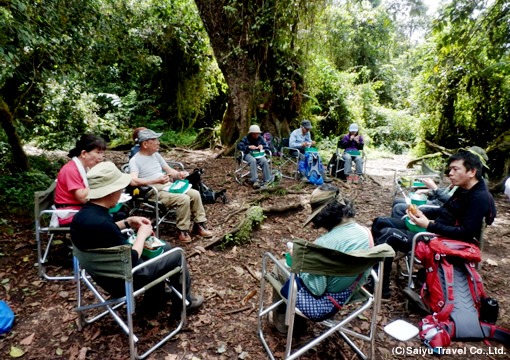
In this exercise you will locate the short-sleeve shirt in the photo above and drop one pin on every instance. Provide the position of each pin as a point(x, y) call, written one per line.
point(147, 167)
point(68, 179)
point(507, 188)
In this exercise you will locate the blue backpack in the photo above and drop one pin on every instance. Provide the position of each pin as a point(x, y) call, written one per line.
point(314, 168)
point(6, 317)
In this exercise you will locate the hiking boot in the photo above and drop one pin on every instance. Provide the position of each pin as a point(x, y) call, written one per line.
point(356, 179)
point(183, 236)
point(195, 303)
point(349, 178)
point(256, 185)
point(201, 230)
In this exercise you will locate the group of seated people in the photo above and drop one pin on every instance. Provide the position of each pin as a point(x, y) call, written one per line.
point(460, 217)
point(300, 139)
point(93, 187)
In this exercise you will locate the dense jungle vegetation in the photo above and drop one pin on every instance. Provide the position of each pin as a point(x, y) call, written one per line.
point(179, 66)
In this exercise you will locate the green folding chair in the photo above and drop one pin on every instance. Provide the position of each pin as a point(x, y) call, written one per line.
point(314, 259)
point(115, 262)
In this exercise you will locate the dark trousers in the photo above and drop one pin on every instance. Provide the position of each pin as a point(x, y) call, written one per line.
point(391, 231)
point(155, 296)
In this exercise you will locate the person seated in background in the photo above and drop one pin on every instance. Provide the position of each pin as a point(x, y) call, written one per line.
point(336, 214)
point(93, 228)
point(352, 142)
point(147, 167)
point(72, 185)
point(136, 148)
point(435, 197)
point(254, 142)
point(300, 139)
point(460, 218)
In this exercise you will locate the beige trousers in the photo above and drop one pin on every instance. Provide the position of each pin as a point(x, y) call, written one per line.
point(187, 204)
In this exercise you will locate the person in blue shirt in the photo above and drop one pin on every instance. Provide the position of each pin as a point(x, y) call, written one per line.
point(301, 139)
point(253, 142)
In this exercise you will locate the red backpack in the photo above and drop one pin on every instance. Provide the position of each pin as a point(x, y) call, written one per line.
point(454, 291)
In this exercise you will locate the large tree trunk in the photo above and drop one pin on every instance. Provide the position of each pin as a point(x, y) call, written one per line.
point(18, 154)
point(236, 31)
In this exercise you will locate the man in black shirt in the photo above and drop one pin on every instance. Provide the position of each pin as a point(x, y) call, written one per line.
point(93, 227)
point(460, 218)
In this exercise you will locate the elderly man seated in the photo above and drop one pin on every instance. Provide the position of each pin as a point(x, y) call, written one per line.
point(149, 168)
point(301, 139)
point(93, 227)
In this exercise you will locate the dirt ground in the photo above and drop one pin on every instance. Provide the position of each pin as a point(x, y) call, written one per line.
point(225, 327)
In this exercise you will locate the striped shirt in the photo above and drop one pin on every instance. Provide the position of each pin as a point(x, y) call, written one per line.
point(345, 238)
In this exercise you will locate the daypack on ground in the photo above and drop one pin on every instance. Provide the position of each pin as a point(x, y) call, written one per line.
point(336, 165)
point(454, 291)
point(208, 196)
point(273, 142)
point(314, 168)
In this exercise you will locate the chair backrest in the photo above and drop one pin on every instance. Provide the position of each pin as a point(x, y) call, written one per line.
point(114, 262)
point(311, 258)
point(43, 200)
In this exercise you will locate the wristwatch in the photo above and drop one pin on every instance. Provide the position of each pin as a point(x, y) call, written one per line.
point(126, 224)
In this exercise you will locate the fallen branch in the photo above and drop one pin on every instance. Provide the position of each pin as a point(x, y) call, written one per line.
point(374, 180)
point(248, 297)
point(184, 150)
point(226, 151)
point(237, 310)
point(244, 208)
point(251, 272)
point(280, 209)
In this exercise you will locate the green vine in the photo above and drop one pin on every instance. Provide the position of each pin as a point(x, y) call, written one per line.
point(254, 217)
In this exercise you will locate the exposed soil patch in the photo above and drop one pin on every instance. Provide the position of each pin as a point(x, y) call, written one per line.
point(45, 325)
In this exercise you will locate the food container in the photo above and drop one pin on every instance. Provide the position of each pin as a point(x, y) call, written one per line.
point(113, 210)
point(411, 226)
point(257, 154)
point(418, 199)
point(288, 259)
point(311, 149)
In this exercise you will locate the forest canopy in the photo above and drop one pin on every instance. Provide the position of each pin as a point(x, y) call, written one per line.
point(106, 67)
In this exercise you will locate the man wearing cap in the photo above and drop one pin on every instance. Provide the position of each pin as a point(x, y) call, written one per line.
point(352, 142)
point(301, 139)
point(253, 142)
point(149, 168)
point(93, 227)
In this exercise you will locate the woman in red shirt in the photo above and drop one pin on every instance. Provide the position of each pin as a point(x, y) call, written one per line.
point(72, 185)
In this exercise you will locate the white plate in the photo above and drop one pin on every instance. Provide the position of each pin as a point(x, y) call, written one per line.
point(124, 197)
point(401, 330)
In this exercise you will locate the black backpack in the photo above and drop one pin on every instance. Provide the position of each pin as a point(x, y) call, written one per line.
point(336, 167)
point(208, 195)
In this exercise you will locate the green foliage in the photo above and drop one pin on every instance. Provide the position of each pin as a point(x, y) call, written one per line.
point(17, 191)
point(252, 219)
point(173, 138)
point(463, 86)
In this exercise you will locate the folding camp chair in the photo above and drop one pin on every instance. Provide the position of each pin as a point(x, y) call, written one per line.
point(311, 258)
point(115, 263)
point(410, 180)
point(242, 168)
point(45, 231)
point(289, 164)
point(141, 203)
point(338, 169)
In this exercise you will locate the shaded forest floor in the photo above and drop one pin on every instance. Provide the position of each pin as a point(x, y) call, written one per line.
point(225, 327)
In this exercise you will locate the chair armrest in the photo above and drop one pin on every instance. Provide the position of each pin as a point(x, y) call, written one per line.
point(173, 164)
point(290, 151)
point(159, 258)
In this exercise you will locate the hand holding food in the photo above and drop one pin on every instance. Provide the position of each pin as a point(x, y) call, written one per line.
point(412, 209)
